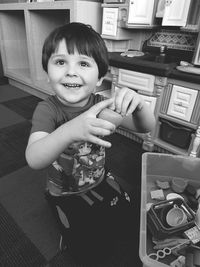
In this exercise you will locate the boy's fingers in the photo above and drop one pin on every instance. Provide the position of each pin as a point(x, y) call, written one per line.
point(100, 142)
point(101, 105)
point(105, 123)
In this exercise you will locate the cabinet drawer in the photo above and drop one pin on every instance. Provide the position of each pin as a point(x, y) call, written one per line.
point(136, 80)
point(109, 22)
point(182, 102)
point(141, 12)
point(176, 12)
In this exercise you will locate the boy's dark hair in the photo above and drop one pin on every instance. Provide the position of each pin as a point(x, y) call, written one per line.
point(77, 36)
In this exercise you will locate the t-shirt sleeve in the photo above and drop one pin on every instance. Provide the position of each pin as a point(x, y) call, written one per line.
point(43, 118)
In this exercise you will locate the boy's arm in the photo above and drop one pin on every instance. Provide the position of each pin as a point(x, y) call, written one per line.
point(137, 115)
point(141, 120)
point(44, 148)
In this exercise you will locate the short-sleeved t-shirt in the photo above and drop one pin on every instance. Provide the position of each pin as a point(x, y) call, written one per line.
point(81, 166)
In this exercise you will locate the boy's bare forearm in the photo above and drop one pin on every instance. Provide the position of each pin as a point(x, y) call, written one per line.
point(42, 152)
point(141, 120)
point(137, 115)
point(144, 119)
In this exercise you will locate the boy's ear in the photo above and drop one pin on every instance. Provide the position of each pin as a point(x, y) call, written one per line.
point(99, 81)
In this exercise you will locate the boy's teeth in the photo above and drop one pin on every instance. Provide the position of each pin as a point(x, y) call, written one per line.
point(71, 85)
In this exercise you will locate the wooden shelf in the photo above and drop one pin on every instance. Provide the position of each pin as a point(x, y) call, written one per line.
point(176, 120)
point(169, 147)
point(24, 27)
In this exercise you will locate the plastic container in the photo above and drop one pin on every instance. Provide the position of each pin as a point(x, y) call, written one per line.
point(165, 167)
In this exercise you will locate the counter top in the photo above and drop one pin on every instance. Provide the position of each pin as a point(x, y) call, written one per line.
point(183, 76)
point(140, 64)
point(159, 69)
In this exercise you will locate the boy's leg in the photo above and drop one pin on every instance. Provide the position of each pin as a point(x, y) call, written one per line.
point(121, 208)
point(82, 226)
point(126, 214)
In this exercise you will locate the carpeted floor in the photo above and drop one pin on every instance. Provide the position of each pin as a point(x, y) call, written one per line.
point(30, 233)
point(13, 141)
point(16, 249)
point(23, 106)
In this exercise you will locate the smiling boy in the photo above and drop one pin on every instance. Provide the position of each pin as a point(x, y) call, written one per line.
point(79, 189)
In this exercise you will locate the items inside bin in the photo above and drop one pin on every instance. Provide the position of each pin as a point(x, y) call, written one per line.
point(173, 220)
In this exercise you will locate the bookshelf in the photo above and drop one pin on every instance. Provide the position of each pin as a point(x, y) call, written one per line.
point(23, 29)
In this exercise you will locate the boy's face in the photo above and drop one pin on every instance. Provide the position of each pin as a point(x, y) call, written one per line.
point(73, 77)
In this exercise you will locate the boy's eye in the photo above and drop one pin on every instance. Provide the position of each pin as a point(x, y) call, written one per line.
point(84, 64)
point(60, 62)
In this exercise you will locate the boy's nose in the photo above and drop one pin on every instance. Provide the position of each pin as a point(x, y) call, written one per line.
point(70, 71)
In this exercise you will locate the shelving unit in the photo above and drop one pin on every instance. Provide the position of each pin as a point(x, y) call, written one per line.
point(41, 24)
point(14, 44)
point(23, 29)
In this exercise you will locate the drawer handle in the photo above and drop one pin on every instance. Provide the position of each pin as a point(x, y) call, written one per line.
point(180, 104)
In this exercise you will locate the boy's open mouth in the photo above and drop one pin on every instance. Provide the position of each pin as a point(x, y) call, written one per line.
point(72, 85)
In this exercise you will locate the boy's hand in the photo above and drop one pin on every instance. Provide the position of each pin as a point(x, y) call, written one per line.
point(87, 127)
point(126, 101)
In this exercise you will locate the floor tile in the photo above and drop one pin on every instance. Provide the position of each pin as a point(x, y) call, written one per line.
point(3, 80)
point(8, 117)
point(13, 142)
point(23, 106)
point(8, 92)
